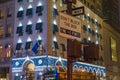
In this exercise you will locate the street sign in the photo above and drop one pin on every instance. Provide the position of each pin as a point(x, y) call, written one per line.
point(69, 26)
point(78, 11)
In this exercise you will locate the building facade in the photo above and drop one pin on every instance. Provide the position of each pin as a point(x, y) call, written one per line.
point(37, 43)
point(32, 29)
point(6, 38)
point(111, 44)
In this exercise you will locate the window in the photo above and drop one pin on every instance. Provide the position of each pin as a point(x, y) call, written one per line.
point(9, 12)
point(39, 10)
point(39, 27)
point(55, 45)
point(20, 30)
point(18, 46)
point(113, 49)
point(29, 12)
point(55, 12)
point(55, 28)
point(1, 15)
point(9, 31)
point(63, 47)
point(84, 28)
point(29, 29)
point(1, 31)
point(20, 14)
point(28, 45)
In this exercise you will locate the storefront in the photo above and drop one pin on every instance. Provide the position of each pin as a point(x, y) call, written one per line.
point(32, 68)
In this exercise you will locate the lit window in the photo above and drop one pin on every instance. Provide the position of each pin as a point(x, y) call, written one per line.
point(9, 31)
point(1, 31)
point(1, 15)
point(113, 49)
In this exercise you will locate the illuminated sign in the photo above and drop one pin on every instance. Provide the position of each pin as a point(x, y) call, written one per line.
point(69, 26)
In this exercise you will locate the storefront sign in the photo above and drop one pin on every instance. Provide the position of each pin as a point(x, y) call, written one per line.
point(69, 26)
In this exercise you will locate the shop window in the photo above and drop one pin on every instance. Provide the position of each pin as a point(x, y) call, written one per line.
point(29, 12)
point(28, 45)
point(18, 46)
point(39, 10)
point(20, 31)
point(20, 14)
point(55, 28)
point(55, 45)
point(19, 0)
point(63, 47)
point(29, 29)
point(39, 27)
point(55, 12)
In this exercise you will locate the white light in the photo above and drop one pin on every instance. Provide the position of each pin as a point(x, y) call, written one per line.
point(29, 22)
point(16, 74)
point(27, 58)
point(59, 59)
point(88, 14)
point(30, 6)
point(39, 37)
point(40, 73)
point(54, 39)
point(39, 4)
point(54, 22)
point(39, 20)
point(89, 38)
point(29, 39)
point(97, 42)
point(96, 31)
point(54, 6)
point(20, 24)
point(20, 9)
point(88, 26)
point(19, 41)
point(95, 20)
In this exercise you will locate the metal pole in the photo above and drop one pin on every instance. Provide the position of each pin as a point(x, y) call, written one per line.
point(69, 59)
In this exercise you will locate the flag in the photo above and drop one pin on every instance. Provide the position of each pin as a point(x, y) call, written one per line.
point(35, 47)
